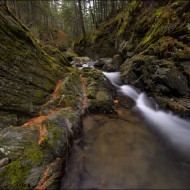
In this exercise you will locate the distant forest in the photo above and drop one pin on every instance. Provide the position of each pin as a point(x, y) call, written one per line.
point(74, 17)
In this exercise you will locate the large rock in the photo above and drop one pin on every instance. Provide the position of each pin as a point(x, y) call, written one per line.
point(38, 149)
point(153, 75)
point(114, 64)
point(27, 74)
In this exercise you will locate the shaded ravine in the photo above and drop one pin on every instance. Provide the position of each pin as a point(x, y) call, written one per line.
point(124, 151)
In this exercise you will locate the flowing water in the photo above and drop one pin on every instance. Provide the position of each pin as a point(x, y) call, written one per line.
point(175, 129)
point(144, 148)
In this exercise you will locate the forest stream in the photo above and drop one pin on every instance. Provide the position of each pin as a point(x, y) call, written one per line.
point(130, 150)
point(94, 94)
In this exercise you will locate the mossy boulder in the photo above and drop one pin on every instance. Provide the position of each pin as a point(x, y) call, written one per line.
point(113, 64)
point(79, 61)
point(100, 91)
point(38, 148)
point(155, 76)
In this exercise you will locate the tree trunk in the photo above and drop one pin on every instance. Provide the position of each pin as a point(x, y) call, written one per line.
point(184, 8)
point(91, 12)
point(81, 18)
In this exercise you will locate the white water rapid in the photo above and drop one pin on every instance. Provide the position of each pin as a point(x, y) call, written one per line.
point(173, 128)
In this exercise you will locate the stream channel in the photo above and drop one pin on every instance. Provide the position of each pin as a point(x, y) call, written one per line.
point(141, 148)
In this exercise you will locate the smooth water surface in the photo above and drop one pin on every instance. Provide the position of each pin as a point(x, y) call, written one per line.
point(121, 152)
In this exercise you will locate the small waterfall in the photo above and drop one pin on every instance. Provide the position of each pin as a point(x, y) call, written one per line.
point(175, 129)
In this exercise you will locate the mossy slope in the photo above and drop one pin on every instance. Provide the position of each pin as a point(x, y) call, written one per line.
point(27, 73)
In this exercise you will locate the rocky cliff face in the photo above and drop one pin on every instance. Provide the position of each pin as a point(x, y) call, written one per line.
point(27, 74)
point(154, 43)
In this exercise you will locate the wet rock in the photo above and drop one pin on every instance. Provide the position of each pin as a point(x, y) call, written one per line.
point(186, 67)
point(36, 146)
point(117, 60)
point(80, 61)
point(158, 76)
point(4, 161)
point(179, 106)
point(103, 61)
point(111, 65)
point(174, 80)
point(2, 155)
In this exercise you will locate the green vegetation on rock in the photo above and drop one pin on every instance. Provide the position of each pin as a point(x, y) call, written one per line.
point(16, 172)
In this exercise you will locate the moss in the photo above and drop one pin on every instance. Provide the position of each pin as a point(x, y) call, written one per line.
point(168, 48)
point(158, 11)
point(39, 93)
point(28, 71)
point(123, 25)
point(91, 91)
point(166, 22)
point(91, 73)
point(34, 153)
point(55, 134)
point(69, 115)
point(70, 101)
point(102, 98)
point(70, 54)
point(16, 172)
point(56, 54)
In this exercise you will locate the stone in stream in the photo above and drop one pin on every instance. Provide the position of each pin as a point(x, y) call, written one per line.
point(103, 61)
point(109, 64)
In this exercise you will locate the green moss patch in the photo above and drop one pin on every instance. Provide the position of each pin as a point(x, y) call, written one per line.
point(16, 173)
